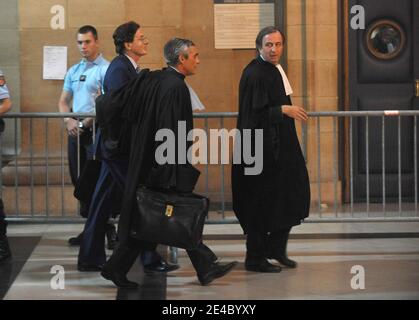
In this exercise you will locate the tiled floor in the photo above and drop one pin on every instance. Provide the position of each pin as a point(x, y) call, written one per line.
point(391, 267)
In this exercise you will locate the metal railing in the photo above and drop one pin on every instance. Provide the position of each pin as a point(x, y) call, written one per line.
point(404, 210)
point(37, 168)
point(26, 159)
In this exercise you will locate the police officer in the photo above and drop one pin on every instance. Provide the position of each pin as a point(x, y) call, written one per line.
point(82, 83)
point(5, 106)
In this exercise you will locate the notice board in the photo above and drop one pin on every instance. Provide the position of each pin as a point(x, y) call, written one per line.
point(237, 22)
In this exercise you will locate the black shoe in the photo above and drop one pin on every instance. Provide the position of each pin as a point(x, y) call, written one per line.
point(5, 253)
point(76, 241)
point(284, 260)
point(263, 266)
point(119, 280)
point(89, 267)
point(111, 237)
point(217, 270)
point(161, 266)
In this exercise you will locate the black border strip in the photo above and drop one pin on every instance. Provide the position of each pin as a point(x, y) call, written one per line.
point(372, 235)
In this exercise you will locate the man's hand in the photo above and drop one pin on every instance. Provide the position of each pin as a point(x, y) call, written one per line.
point(295, 112)
point(98, 92)
point(5, 105)
point(73, 127)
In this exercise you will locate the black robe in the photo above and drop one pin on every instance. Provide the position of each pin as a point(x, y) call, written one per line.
point(280, 196)
point(162, 100)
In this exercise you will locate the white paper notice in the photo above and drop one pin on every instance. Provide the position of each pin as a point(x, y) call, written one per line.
point(236, 25)
point(55, 63)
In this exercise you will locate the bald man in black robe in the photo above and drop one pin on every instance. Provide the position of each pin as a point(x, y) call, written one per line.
point(269, 204)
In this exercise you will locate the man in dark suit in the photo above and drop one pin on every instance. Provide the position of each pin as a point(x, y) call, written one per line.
point(130, 45)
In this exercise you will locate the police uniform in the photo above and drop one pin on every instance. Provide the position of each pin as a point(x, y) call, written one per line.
point(4, 94)
point(83, 81)
point(4, 244)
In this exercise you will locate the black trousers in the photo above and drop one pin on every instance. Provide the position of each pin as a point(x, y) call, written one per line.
point(263, 245)
point(127, 251)
point(86, 149)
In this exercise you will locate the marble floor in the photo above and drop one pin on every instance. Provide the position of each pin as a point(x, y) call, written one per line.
point(336, 261)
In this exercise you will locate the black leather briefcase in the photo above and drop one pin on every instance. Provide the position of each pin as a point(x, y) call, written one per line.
point(170, 218)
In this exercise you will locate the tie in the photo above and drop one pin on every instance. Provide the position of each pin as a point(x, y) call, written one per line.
point(138, 70)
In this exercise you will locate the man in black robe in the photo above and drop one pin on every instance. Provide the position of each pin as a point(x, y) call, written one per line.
point(269, 204)
point(161, 101)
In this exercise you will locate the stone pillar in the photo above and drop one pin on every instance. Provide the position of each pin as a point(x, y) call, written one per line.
point(321, 52)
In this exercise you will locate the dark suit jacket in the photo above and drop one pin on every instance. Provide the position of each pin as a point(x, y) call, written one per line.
point(119, 73)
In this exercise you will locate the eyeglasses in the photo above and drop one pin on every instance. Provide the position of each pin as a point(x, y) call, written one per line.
point(142, 38)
